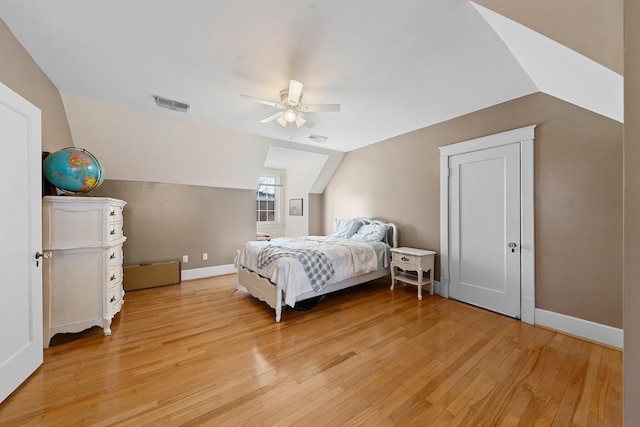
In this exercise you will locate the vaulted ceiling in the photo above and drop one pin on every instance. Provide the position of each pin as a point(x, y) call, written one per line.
point(393, 66)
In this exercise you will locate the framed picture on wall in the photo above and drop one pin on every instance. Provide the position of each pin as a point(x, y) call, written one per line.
point(295, 207)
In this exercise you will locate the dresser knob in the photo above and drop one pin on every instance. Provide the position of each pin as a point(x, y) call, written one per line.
point(113, 232)
point(113, 256)
point(404, 258)
point(113, 298)
point(113, 278)
point(113, 213)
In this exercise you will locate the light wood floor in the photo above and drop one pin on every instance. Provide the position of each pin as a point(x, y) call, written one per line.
point(201, 353)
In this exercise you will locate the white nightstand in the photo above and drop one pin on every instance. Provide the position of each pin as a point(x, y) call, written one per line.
point(409, 260)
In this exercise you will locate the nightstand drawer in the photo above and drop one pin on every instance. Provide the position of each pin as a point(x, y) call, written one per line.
point(406, 259)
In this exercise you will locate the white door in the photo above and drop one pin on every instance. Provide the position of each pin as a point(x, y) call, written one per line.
point(21, 218)
point(484, 227)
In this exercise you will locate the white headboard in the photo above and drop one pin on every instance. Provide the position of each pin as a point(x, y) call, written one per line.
point(391, 236)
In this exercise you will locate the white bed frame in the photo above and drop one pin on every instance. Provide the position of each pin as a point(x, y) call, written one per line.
point(273, 294)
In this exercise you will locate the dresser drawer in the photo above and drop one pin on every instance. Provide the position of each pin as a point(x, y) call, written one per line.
point(73, 222)
point(114, 256)
point(115, 232)
point(114, 275)
point(114, 214)
point(113, 299)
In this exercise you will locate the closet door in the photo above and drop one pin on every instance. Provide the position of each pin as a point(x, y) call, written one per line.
point(485, 228)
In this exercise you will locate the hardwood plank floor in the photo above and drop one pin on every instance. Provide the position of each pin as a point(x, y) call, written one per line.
point(201, 353)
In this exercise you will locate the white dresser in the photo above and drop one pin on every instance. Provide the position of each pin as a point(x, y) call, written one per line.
point(83, 276)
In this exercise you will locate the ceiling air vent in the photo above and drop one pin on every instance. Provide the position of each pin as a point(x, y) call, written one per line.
point(171, 104)
point(318, 138)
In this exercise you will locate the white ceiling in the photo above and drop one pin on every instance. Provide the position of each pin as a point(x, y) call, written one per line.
point(393, 66)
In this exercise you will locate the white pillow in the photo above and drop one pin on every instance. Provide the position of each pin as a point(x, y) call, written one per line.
point(370, 233)
point(345, 228)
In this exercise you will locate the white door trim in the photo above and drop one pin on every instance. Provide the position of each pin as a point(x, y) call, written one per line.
point(524, 136)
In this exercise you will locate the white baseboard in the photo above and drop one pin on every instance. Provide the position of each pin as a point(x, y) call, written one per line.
point(527, 310)
point(437, 288)
point(199, 273)
point(579, 327)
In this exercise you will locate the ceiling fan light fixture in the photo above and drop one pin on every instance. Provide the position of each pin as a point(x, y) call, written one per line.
point(290, 115)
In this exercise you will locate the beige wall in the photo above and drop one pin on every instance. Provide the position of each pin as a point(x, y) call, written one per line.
point(592, 28)
point(299, 181)
point(163, 221)
point(315, 215)
point(166, 221)
point(19, 72)
point(578, 196)
point(632, 215)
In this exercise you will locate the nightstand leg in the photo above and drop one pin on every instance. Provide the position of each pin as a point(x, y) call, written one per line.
point(393, 276)
point(430, 270)
point(420, 284)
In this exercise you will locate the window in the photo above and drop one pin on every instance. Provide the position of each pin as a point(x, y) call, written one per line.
point(268, 197)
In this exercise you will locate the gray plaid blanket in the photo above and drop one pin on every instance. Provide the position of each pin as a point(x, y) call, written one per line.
point(315, 264)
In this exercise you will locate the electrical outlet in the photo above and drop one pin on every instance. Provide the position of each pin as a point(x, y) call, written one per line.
point(185, 258)
point(205, 256)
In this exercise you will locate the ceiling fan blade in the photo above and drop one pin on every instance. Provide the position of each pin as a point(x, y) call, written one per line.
point(308, 123)
point(300, 119)
point(271, 118)
point(319, 108)
point(295, 90)
point(262, 101)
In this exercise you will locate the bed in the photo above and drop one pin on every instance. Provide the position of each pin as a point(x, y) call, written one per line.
point(286, 271)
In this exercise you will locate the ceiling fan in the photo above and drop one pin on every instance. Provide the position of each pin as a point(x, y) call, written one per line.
point(292, 109)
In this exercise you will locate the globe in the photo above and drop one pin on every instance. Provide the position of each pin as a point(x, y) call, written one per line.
point(73, 170)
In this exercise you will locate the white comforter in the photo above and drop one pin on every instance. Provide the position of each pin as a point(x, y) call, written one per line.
point(349, 258)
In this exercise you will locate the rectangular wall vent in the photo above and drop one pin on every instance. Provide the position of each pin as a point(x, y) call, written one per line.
point(171, 104)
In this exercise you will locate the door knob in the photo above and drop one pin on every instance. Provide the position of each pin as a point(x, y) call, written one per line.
point(513, 246)
point(39, 255)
